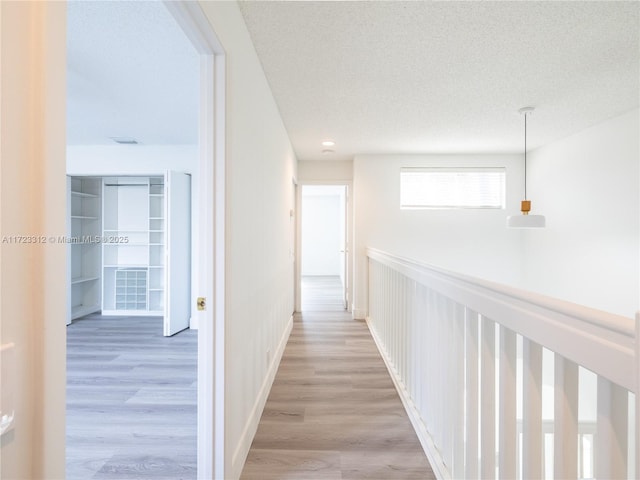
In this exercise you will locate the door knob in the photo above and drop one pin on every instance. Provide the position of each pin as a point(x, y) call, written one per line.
point(201, 303)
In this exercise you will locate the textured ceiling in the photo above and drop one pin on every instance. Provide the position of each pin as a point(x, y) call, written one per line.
point(131, 72)
point(427, 77)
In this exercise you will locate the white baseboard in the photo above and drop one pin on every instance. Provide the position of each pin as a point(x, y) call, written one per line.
point(251, 426)
point(428, 445)
point(359, 314)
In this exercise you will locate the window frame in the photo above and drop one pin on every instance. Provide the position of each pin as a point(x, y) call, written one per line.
point(469, 169)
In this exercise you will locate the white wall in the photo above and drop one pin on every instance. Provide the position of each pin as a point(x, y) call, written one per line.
point(259, 228)
point(587, 187)
point(32, 202)
point(104, 160)
point(321, 232)
point(473, 241)
point(318, 172)
point(122, 160)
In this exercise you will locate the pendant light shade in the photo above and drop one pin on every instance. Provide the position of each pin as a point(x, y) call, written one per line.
point(524, 220)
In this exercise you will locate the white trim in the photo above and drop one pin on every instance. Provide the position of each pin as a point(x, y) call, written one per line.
point(251, 427)
point(211, 238)
point(594, 339)
point(298, 260)
point(218, 281)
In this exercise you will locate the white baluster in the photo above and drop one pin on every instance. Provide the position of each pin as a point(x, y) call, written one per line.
point(426, 357)
point(637, 367)
point(404, 299)
point(471, 373)
point(565, 441)
point(532, 410)
point(488, 400)
point(420, 339)
point(507, 380)
point(439, 369)
point(394, 316)
point(611, 435)
point(434, 395)
point(433, 363)
point(410, 334)
point(446, 321)
point(458, 393)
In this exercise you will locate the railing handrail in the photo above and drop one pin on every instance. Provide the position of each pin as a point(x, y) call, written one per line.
point(602, 341)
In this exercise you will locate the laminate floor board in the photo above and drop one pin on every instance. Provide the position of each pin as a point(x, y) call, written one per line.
point(131, 400)
point(274, 464)
point(333, 411)
point(321, 293)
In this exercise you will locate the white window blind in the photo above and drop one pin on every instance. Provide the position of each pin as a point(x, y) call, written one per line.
point(434, 187)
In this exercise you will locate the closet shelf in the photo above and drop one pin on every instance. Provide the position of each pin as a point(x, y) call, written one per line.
point(122, 265)
point(78, 280)
point(84, 217)
point(84, 194)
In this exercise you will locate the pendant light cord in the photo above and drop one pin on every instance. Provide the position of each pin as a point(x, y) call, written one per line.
point(525, 156)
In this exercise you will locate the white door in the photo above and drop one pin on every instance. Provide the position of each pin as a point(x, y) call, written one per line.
point(177, 310)
point(344, 246)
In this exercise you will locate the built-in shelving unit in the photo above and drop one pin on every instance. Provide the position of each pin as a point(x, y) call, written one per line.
point(130, 247)
point(157, 239)
point(133, 251)
point(84, 230)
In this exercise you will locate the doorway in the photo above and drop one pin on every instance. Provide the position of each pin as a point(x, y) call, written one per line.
point(324, 275)
point(209, 224)
point(130, 206)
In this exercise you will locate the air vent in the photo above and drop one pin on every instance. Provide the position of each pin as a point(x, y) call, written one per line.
point(125, 140)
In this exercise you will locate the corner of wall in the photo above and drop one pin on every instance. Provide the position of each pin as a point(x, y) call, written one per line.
point(359, 314)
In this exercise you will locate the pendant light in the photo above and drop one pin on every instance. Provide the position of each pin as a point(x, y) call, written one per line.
point(525, 220)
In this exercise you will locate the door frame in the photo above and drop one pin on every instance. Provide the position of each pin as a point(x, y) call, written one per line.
point(211, 237)
point(348, 184)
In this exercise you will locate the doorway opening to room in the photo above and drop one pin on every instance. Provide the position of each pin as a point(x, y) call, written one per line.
point(324, 252)
point(140, 165)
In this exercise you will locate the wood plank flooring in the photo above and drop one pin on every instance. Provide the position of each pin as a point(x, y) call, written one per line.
point(321, 293)
point(333, 411)
point(131, 400)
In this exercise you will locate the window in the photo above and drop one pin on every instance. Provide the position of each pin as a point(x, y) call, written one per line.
point(434, 187)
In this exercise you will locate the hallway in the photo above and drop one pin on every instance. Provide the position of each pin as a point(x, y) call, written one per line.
point(322, 293)
point(333, 412)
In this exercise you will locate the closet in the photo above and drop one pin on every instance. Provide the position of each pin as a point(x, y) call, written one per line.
point(84, 204)
point(143, 248)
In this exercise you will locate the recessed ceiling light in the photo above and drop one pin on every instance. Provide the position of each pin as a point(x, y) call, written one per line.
point(328, 143)
point(327, 151)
